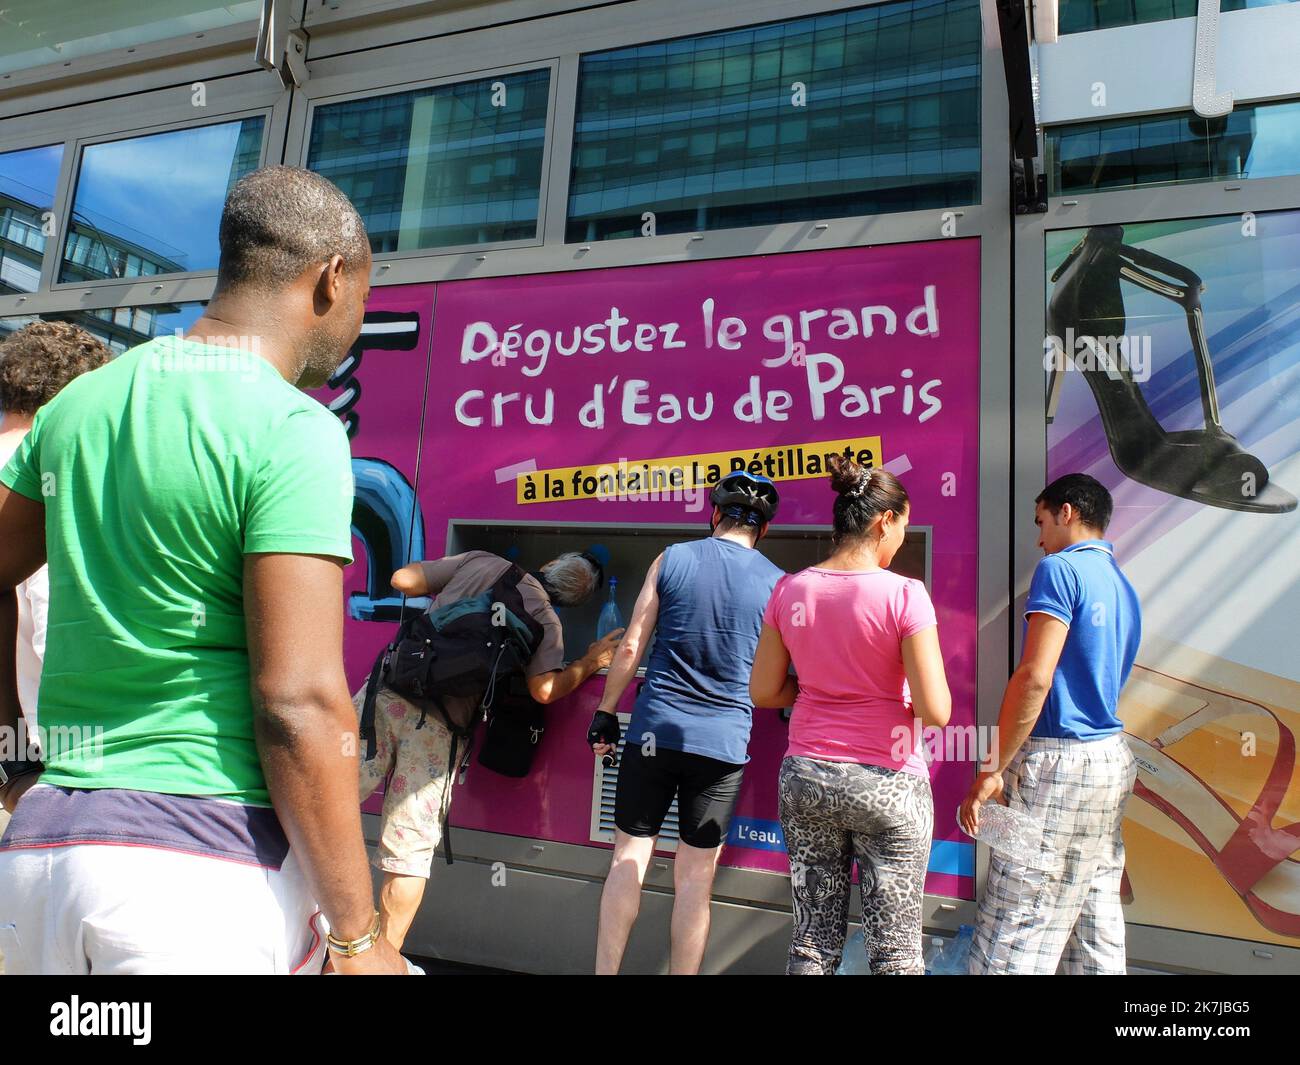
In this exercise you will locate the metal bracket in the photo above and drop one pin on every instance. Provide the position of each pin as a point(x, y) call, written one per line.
point(1028, 196)
point(1028, 188)
point(279, 48)
point(1047, 18)
point(295, 58)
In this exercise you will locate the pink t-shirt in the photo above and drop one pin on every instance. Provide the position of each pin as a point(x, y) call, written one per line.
point(844, 631)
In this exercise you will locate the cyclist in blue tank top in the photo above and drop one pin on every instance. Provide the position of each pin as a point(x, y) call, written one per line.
point(703, 600)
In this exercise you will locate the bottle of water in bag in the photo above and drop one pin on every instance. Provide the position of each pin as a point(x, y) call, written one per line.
point(1012, 833)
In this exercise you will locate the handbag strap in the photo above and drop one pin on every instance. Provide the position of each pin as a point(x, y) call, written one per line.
point(367, 726)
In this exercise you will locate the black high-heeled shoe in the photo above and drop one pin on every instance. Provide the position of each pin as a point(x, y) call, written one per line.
point(1207, 465)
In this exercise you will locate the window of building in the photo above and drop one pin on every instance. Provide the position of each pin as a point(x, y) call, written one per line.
point(853, 113)
point(118, 328)
point(1253, 141)
point(156, 199)
point(1078, 16)
point(442, 166)
point(27, 183)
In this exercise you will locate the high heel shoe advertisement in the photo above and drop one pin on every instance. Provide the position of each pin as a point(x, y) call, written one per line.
point(1172, 374)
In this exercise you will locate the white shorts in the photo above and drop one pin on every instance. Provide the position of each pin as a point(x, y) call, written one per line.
point(94, 908)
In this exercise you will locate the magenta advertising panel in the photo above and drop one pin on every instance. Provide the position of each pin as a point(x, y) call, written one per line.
point(614, 398)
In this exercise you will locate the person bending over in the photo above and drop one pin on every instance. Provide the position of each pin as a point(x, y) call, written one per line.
point(415, 759)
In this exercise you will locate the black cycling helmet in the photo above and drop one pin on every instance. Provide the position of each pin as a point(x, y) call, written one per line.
point(746, 496)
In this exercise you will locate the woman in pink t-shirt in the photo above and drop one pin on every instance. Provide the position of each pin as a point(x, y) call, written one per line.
point(853, 782)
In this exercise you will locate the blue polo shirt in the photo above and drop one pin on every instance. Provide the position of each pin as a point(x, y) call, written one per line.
point(1083, 587)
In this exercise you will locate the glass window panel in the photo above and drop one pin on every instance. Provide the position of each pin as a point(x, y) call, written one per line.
point(679, 75)
point(1254, 141)
point(1270, 145)
point(1078, 16)
point(1114, 12)
point(157, 197)
point(36, 32)
point(725, 144)
point(737, 67)
point(1193, 149)
point(118, 328)
point(27, 182)
point(708, 73)
point(1152, 10)
point(422, 166)
point(828, 50)
point(767, 64)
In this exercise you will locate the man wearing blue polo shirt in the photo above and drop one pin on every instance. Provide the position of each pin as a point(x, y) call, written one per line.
point(1062, 752)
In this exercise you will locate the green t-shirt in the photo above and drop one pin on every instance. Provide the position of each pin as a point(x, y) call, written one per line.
point(159, 472)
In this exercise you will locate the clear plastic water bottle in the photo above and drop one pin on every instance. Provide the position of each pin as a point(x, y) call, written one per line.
point(1012, 833)
point(956, 954)
point(933, 954)
point(610, 619)
point(854, 960)
point(953, 956)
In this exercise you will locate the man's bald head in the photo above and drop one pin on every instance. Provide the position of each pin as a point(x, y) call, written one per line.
point(280, 220)
point(295, 259)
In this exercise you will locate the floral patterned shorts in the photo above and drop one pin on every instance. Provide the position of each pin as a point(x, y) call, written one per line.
point(413, 797)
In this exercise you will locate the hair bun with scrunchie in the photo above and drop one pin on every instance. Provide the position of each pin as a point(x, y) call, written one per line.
point(847, 477)
point(860, 489)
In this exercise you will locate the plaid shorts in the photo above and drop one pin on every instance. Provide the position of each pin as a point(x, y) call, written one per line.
point(415, 764)
point(1065, 909)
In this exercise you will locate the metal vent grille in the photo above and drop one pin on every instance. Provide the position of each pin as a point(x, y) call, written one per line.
point(603, 786)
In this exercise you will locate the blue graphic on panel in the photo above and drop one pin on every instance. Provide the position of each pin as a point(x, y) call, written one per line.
point(385, 513)
point(952, 857)
point(946, 856)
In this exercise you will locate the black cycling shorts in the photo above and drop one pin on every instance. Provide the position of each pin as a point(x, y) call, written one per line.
point(705, 788)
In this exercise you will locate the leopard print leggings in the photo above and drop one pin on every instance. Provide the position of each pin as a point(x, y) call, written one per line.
point(833, 813)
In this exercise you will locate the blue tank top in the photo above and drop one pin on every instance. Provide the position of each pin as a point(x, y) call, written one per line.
point(695, 699)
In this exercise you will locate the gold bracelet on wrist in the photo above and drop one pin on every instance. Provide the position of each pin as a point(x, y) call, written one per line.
point(350, 948)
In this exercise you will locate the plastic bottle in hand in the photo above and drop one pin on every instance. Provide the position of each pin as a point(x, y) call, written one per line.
point(1012, 833)
point(610, 618)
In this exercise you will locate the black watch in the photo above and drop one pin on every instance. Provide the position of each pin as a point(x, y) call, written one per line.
point(12, 769)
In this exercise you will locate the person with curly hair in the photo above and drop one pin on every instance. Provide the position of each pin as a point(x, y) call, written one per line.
point(35, 363)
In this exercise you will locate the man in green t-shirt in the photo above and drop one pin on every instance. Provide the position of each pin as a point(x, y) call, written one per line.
point(197, 803)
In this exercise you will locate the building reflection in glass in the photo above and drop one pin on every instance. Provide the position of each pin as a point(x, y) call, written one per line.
point(142, 206)
point(1254, 141)
point(439, 167)
point(119, 328)
point(27, 182)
